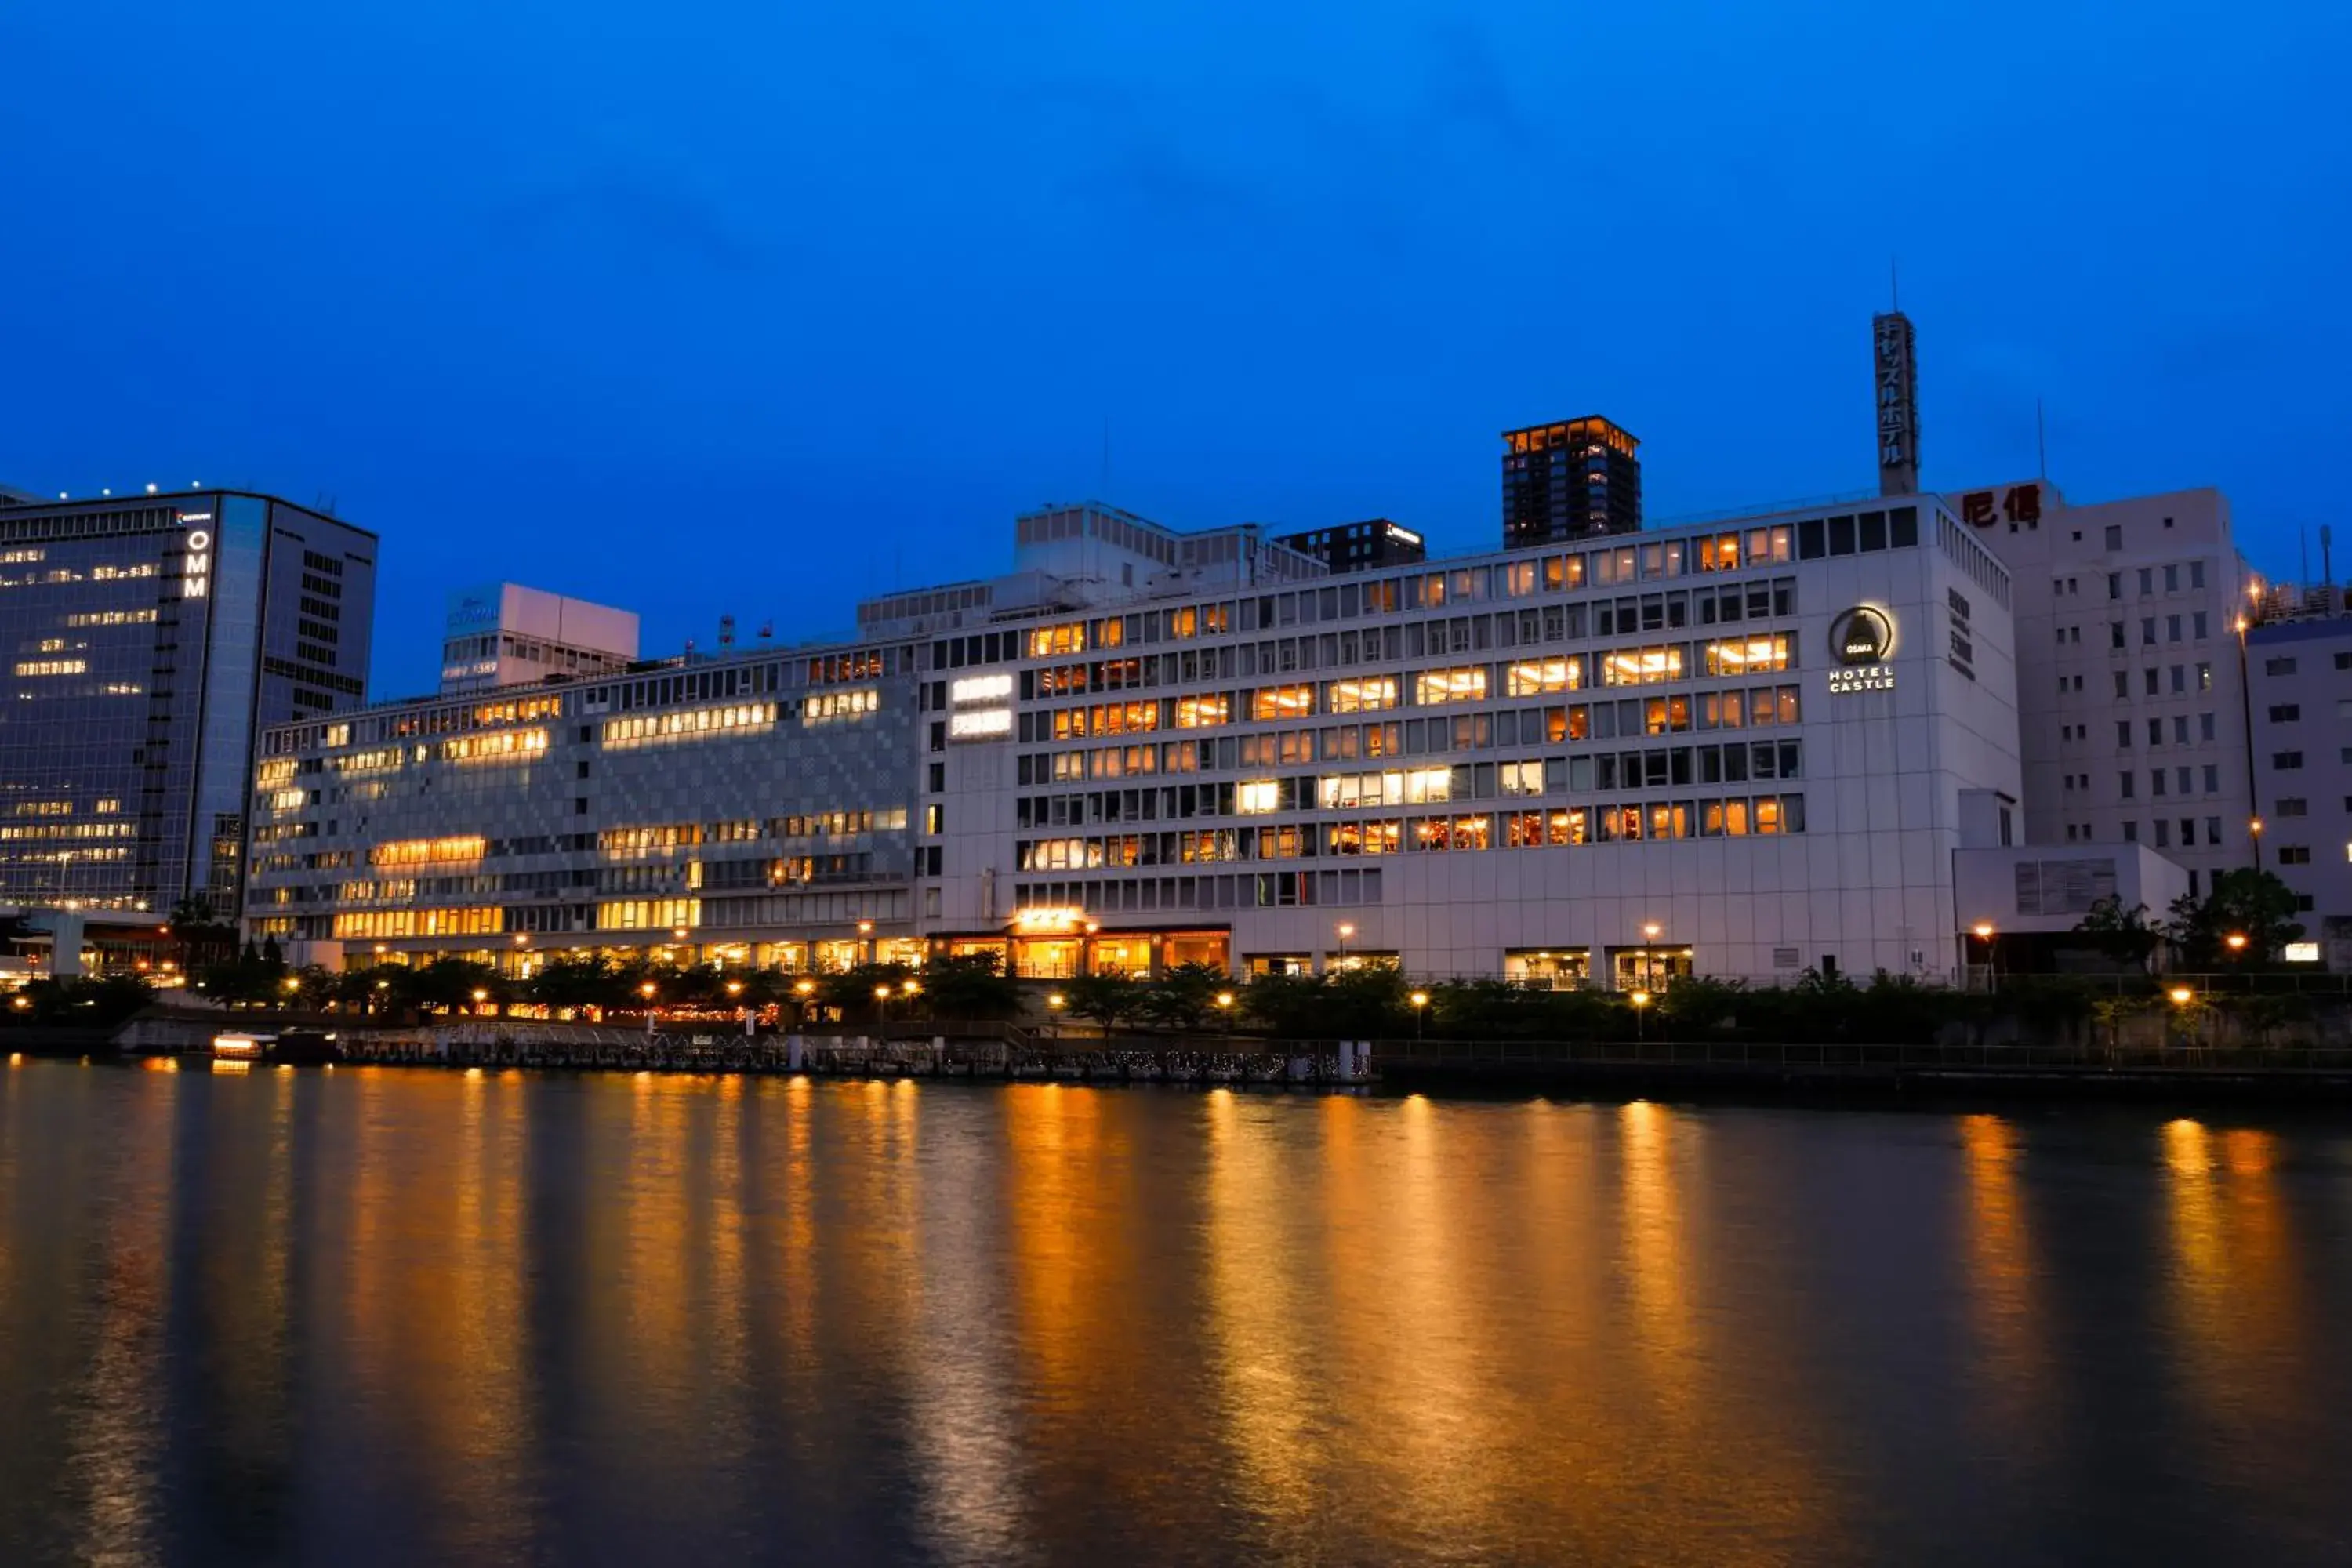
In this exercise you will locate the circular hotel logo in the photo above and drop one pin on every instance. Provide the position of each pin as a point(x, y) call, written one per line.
point(1862, 635)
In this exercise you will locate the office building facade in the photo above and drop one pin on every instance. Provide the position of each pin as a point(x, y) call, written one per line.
point(1360, 546)
point(2299, 689)
point(1572, 478)
point(1745, 749)
point(2130, 668)
point(503, 634)
point(150, 639)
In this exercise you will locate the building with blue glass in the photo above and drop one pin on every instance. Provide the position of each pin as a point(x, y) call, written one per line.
point(148, 639)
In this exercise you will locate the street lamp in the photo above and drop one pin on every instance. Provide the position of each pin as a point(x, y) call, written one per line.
point(1420, 1000)
point(734, 988)
point(1640, 1000)
point(1344, 932)
point(1984, 933)
point(2236, 942)
point(1053, 1001)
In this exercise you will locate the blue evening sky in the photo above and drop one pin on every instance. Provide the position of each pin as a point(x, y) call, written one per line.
point(702, 307)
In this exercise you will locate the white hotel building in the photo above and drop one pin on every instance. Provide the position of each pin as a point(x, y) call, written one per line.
point(1745, 749)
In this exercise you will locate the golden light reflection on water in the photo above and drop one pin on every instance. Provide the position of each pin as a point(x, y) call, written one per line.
point(2000, 1276)
point(2242, 1339)
point(415, 1317)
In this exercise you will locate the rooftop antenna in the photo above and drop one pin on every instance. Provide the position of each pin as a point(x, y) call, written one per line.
point(2327, 562)
point(767, 630)
point(726, 631)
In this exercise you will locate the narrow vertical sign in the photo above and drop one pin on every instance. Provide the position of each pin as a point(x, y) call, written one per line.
point(1898, 404)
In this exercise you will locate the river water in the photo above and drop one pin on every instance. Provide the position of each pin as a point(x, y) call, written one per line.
point(377, 1317)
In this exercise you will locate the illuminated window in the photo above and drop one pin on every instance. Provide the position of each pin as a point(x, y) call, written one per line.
point(1254, 796)
point(426, 851)
point(1533, 677)
point(1202, 713)
point(1523, 778)
point(501, 746)
point(1642, 665)
point(1742, 655)
point(1364, 695)
point(1465, 684)
point(53, 667)
point(1282, 702)
point(687, 724)
point(1068, 638)
point(649, 914)
point(839, 707)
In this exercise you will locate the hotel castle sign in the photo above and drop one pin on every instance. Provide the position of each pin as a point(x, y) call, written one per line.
point(1862, 642)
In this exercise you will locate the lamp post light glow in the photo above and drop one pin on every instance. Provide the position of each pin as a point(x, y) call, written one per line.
point(2181, 995)
point(1346, 932)
point(2236, 942)
point(1420, 1001)
point(1053, 1001)
point(1640, 1000)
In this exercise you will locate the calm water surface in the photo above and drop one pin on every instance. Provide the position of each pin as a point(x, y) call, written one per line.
point(378, 1318)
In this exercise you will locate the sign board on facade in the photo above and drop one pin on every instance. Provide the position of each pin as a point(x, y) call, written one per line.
point(1898, 404)
point(2014, 505)
point(1862, 645)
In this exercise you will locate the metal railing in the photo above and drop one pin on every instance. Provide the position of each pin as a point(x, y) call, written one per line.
point(1761, 1056)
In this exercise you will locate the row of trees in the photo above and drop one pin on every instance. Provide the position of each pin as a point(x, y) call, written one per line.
point(946, 988)
point(2247, 917)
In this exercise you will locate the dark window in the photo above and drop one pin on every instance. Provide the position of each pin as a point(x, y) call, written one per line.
point(1810, 543)
point(1905, 523)
point(1841, 536)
